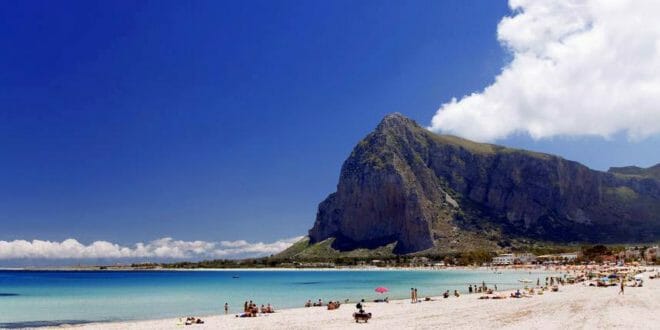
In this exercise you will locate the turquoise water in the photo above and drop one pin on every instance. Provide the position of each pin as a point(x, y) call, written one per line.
point(53, 297)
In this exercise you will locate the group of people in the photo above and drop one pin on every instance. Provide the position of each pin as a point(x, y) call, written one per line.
point(413, 295)
point(415, 299)
point(446, 294)
point(190, 320)
point(481, 289)
point(251, 309)
point(331, 304)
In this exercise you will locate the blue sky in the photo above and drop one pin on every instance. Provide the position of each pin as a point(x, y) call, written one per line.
point(218, 120)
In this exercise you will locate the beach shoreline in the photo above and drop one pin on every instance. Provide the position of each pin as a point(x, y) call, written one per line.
point(273, 269)
point(574, 306)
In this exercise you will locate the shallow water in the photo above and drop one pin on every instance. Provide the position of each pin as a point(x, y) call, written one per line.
point(33, 298)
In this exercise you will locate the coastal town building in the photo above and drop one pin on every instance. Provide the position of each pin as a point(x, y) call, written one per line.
point(504, 259)
point(559, 258)
point(569, 257)
point(651, 254)
point(514, 258)
point(631, 253)
point(525, 258)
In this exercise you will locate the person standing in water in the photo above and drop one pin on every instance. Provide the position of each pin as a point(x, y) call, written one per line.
point(226, 308)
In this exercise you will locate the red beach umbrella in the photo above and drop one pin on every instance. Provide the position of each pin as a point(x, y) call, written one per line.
point(381, 289)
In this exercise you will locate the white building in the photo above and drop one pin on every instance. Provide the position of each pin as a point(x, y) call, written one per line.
point(570, 256)
point(525, 258)
point(504, 259)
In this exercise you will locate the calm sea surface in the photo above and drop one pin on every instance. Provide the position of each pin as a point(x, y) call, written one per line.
point(54, 297)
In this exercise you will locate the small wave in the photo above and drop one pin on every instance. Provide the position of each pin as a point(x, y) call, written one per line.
point(3, 294)
point(39, 324)
point(306, 283)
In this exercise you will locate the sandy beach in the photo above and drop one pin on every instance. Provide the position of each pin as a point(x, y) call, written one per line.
point(575, 306)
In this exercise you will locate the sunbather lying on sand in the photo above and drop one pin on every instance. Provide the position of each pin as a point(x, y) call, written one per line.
point(190, 320)
point(333, 305)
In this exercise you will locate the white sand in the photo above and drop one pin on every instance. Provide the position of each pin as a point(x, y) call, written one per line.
point(574, 307)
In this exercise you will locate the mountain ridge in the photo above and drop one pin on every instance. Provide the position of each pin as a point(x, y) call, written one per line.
point(421, 191)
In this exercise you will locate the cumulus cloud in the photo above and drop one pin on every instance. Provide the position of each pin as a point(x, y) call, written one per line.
point(164, 248)
point(579, 67)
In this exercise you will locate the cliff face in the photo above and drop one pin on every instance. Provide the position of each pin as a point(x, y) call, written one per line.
point(407, 185)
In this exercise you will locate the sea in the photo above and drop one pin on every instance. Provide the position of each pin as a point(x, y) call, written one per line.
point(46, 298)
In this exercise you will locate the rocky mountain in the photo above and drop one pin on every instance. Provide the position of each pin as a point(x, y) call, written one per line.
point(406, 187)
point(634, 171)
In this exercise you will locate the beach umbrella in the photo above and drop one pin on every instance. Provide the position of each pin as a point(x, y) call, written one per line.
point(381, 289)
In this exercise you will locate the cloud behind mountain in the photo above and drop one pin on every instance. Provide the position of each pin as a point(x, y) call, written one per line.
point(577, 68)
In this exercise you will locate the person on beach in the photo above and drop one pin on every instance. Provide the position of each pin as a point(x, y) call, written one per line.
point(470, 289)
point(495, 287)
point(446, 294)
point(245, 307)
point(416, 300)
point(621, 291)
point(412, 295)
point(226, 308)
point(456, 294)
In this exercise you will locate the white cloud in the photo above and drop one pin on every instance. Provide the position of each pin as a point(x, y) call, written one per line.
point(587, 67)
point(164, 248)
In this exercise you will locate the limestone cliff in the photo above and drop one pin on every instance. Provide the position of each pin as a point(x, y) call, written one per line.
point(403, 184)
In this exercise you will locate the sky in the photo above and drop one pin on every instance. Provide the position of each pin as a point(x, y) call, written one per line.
point(199, 129)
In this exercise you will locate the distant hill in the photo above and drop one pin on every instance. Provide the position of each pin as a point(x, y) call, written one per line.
point(406, 189)
point(651, 172)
